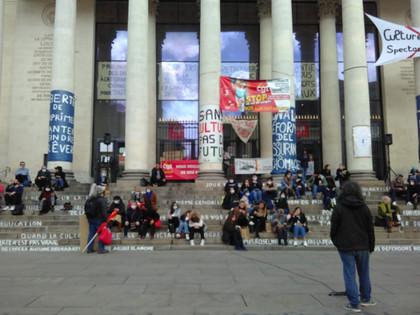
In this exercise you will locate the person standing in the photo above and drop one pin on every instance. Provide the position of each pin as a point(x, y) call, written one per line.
point(353, 234)
point(97, 217)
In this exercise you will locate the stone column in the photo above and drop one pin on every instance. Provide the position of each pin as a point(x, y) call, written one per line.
point(137, 107)
point(1, 37)
point(62, 101)
point(266, 133)
point(356, 92)
point(210, 116)
point(415, 16)
point(330, 98)
point(284, 146)
point(152, 159)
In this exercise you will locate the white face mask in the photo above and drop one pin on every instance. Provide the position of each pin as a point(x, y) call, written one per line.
point(147, 190)
point(269, 183)
point(230, 180)
point(133, 207)
point(47, 189)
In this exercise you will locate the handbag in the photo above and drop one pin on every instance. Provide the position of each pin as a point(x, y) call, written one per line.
point(158, 224)
point(106, 236)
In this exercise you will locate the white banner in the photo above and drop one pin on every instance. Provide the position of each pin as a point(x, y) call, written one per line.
point(398, 42)
point(253, 166)
point(362, 141)
point(243, 128)
point(210, 134)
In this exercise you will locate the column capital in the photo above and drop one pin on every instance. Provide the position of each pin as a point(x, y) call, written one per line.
point(264, 8)
point(328, 7)
point(153, 7)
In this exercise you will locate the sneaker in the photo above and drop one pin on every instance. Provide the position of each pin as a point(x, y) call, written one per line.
point(295, 243)
point(6, 208)
point(178, 235)
point(192, 243)
point(349, 307)
point(173, 235)
point(12, 208)
point(305, 244)
point(104, 251)
point(409, 203)
point(394, 203)
point(202, 242)
point(187, 236)
point(369, 303)
point(251, 223)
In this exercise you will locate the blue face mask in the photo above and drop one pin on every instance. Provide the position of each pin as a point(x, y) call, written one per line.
point(300, 175)
point(116, 202)
point(240, 93)
point(283, 196)
point(247, 194)
point(44, 170)
point(175, 207)
point(232, 192)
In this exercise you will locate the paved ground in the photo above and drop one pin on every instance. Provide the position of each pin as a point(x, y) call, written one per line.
point(199, 282)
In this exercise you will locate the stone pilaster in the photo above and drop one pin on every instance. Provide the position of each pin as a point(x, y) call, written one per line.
point(415, 16)
point(330, 98)
point(356, 92)
point(137, 91)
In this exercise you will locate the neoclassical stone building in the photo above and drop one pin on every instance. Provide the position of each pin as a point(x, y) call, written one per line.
point(144, 72)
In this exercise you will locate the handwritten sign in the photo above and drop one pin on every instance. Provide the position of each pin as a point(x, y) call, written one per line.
point(210, 134)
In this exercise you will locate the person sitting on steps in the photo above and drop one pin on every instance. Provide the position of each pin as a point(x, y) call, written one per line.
point(60, 179)
point(184, 225)
point(298, 226)
point(46, 200)
point(13, 196)
point(150, 216)
point(43, 178)
point(133, 218)
point(150, 198)
point(118, 205)
point(22, 174)
point(157, 177)
point(173, 218)
point(196, 224)
point(388, 214)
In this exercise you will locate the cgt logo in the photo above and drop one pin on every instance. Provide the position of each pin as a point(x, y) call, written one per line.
point(167, 166)
point(263, 88)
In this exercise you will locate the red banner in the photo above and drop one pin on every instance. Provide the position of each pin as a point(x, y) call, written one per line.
point(238, 95)
point(180, 170)
point(302, 129)
point(176, 131)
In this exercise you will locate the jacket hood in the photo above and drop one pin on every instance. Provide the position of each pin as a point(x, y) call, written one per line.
point(352, 202)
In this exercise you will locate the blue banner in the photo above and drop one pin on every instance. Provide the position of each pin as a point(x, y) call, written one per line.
point(284, 143)
point(418, 122)
point(61, 135)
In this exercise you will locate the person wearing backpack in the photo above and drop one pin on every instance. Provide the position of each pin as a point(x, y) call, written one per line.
point(96, 213)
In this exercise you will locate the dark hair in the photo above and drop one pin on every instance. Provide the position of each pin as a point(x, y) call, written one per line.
point(351, 189)
point(172, 207)
point(301, 212)
point(117, 198)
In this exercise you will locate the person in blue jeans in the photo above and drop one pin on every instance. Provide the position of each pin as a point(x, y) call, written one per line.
point(98, 216)
point(353, 234)
point(317, 183)
point(183, 225)
point(298, 226)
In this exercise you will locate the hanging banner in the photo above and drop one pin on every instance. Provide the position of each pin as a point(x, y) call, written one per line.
point(308, 89)
point(418, 120)
point(61, 134)
point(243, 128)
point(238, 95)
point(111, 80)
point(210, 134)
point(180, 170)
point(398, 42)
point(176, 131)
point(362, 141)
point(284, 143)
point(253, 166)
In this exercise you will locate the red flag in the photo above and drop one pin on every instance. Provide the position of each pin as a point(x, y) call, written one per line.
point(111, 216)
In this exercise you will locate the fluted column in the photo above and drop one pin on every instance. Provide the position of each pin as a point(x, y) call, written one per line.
point(62, 100)
point(152, 79)
point(210, 116)
point(415, 16)
point(356, 92)
point(284, 149)
point(137, 108)
point(266, 133)
point(330, 98)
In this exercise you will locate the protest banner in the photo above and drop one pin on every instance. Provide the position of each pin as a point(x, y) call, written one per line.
point(253, 166)
point(210, 134)
point(238, 95)
point(180, 170)
point(243, 128)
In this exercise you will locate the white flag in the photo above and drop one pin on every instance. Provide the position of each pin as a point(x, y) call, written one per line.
point(399, 42)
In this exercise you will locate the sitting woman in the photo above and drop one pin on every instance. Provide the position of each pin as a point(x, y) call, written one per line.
point(287, 184)
point(150, 197)
point(173, 218)
point(230, 200)
point(269, 193)
point(299, 226)
point(136, 195)
point(183, 225)
point(278, 225)
point(196, 224)
point(247, 199)
point(258, 217)
point(388, 214)
point(133, 218)
point(241, 215)
point(150, 216)
point(46, 200)
point(60, 179)
point(281, 203)
point(232, 233)
point(117, 205)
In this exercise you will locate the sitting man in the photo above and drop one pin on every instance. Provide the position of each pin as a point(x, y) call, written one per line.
point(413, 191)
point(43, 178)
point(60, 179)
point(388, 214)
point(22, 174)
point(317, 183)
point(13, 197)
point(299, 184)
point(269, 193)
point(398, 188)
point(46, 200)
point(231, 183)
point(278, 225)
point(158, 176)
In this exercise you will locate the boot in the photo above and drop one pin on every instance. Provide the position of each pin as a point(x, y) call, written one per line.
point(119, 227)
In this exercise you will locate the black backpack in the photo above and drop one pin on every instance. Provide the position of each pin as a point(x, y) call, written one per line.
point(18, 209)
point(91, 209)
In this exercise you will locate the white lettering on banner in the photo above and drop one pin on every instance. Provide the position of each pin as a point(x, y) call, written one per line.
point(20, 223)
point(210, 134)
point(132, 248)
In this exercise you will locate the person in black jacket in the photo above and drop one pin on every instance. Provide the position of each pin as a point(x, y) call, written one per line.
point(299, 225)
point(232, 233)
point(133, 218)
point(60, 179)
point(150, 216)
point(158, 176)
point(353, 234)
point(99, 204)
point(118, 205)
point(43, 178)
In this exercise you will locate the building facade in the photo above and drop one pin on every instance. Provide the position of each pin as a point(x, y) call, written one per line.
point(141, 72)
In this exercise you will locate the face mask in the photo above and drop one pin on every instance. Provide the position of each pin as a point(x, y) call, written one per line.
point(44, 170)
point(300, 175)
point(133, 207)
point(137, 192)
point(47, 189)
point(175, 207)
point(116, 202)
point(147, 190)
point(288, 176)
point(269, 183)
point(254, 178)
point(283, 196)
point(247, 194)
point(230, 180)
point(411, 183)
point(240, 93)
point(232, 192)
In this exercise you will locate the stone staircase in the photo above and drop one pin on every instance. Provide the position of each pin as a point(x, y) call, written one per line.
point(59, 231)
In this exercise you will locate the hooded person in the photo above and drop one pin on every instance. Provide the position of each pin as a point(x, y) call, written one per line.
point(150, 197)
